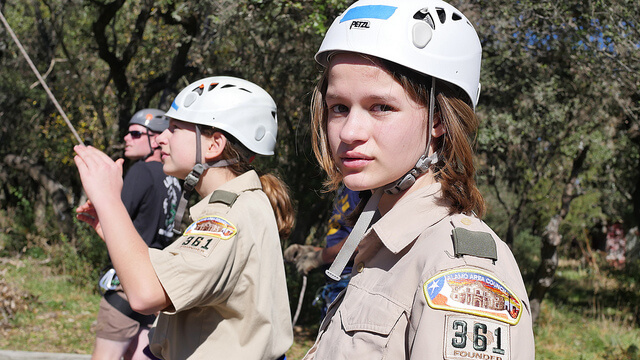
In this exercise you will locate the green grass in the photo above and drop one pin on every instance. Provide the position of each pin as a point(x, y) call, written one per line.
point(60, 315)
point(586, 315)
point(562, 333)
point(590, 314)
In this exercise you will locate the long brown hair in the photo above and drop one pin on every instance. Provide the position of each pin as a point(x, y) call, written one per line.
point(275, 189)
point(455, 169)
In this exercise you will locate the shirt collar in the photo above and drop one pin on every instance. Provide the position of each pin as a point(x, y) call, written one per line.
point(410, 216)
point(245, 182)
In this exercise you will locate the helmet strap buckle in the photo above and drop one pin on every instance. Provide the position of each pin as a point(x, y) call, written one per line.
point(421, 167)
point(192, 179)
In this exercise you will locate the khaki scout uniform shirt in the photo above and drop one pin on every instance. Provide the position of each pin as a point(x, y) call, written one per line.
point(225, 278)
point(411, 297)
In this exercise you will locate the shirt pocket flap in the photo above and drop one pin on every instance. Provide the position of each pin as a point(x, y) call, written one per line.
point(373, 313)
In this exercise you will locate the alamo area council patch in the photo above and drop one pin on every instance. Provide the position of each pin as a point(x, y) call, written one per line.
point(211, 226)
point(473, 292)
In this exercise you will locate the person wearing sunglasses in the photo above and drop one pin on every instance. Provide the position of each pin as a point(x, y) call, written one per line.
point(151, 198)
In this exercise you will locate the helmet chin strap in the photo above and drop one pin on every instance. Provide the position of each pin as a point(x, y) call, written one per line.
point(193, 178)
point(366, 218)
point(151, 149)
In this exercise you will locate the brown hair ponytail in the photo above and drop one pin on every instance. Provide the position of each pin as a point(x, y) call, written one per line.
point(278, 194)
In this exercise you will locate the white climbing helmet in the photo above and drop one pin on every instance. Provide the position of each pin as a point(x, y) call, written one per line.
point(428, 36)
point(236, 106)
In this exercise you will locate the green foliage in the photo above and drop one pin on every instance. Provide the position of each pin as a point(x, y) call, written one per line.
point(82, 262)
point(585, 214)
point(552, 86)
point(526, 250)
point(20, 235)
point(271, 43)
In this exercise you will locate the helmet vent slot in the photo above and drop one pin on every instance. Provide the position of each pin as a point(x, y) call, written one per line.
point(228, 86)
point(456, 17)
point(273, 113)
point(199, 89)
point(212, 86)
point(425, 16)
point(441, 15)
point(245, 90)
point(420, 15)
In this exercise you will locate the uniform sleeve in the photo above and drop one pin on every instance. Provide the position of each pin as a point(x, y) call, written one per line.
point(470, 313)
point(203, 266)
point(473, 305)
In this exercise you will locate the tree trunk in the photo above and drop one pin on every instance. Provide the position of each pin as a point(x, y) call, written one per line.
point(514, 220)
point(119, 58)
point(511, 229)
point(551, 238)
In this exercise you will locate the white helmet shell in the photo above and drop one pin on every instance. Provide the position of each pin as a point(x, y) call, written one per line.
point(428, 36)
point(236, 106)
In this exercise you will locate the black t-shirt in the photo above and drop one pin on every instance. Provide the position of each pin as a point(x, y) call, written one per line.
point(151, 198)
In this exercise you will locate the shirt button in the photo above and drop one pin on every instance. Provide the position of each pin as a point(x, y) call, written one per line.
point(360, 267)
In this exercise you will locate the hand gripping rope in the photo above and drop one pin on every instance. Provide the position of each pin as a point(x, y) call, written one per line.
point(40, 79)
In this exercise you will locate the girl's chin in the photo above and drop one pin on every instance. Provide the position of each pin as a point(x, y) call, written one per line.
point(172, 172)
point(358, 184)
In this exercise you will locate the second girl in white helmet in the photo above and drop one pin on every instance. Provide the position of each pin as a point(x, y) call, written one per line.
point(220, 287)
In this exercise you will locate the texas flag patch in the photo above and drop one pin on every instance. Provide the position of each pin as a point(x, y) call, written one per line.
point(473, 292)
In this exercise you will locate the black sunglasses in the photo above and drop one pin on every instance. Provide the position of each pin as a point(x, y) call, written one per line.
point(135, 134)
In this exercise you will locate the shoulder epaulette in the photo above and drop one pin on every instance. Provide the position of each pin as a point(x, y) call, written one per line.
point(225, 197)
point(474, 243)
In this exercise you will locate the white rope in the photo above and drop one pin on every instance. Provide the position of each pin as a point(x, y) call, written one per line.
point(40, 79)
point(300, 299)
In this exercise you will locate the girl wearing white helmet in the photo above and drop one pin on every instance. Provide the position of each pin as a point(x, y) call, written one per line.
point(393, 116)
point(220, 287)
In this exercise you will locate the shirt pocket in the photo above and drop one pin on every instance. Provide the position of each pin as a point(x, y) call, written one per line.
point(374, 324)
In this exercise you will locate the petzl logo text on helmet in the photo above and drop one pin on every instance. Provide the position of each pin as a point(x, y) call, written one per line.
point(359, 24)
point(382, 12)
